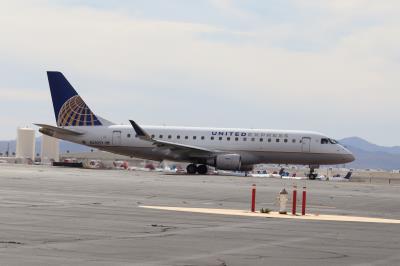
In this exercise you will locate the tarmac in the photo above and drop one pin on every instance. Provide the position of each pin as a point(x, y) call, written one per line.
point(61, 216)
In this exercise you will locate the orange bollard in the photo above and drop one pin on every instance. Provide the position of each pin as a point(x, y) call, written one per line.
point(303, 203)
point(253, 198)
point(294, 200)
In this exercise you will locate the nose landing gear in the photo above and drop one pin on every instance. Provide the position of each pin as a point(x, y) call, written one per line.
point(312, 175)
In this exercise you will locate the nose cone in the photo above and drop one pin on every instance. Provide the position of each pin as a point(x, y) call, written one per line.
point(348, 155)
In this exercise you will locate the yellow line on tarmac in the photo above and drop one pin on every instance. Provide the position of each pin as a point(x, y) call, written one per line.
point(316, 217)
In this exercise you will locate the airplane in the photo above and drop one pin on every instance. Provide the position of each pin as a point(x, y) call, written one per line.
point(234, 149)
point(336, 177)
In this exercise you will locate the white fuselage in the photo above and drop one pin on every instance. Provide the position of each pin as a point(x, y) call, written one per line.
point(253, 145)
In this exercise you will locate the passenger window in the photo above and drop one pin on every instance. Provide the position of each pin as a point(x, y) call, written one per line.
point(236, 139)
point(285, 140)
point(202, 137)
point(169, 136)
point(244, 139)
point(269, 140)
point(293, 140)
point(194, 137)
point(261, 140)
point(152, 136)
point(228, 138)
point(277, 140)
point(252, 139)
point(160, 136)
point(212, 138)
point(178, 137)
point(186, 137)
point(220, 138)
point(129, 135)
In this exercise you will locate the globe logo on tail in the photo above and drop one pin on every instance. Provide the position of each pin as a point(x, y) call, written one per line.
point(75, 112)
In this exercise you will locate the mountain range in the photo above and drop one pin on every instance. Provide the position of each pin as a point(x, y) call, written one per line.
point(368, 155)
point(368, 146)
point(372, 156)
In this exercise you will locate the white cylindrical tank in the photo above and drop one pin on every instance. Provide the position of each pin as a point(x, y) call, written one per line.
point(283, 199)
point(25, 143)
point(50, 151)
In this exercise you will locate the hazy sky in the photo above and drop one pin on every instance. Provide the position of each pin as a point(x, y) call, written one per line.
point(330, 66)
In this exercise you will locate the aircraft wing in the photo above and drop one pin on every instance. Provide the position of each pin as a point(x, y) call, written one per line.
point(161, 143)
point(189, 150)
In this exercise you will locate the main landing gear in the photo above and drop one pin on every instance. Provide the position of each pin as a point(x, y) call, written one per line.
point(193, 169)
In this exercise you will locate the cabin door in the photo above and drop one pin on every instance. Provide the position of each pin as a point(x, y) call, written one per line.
point(116, 138)
point(305, 144)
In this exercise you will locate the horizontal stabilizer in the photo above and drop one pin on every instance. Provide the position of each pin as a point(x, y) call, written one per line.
point(51, 130)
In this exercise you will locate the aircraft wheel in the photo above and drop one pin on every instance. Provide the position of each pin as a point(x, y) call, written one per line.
point(202, 169)
point(191, 169)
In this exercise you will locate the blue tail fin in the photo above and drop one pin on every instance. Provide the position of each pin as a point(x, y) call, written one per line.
point(69, 108)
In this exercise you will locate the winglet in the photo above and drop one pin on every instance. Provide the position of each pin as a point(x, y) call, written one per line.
point(139, 131)
point(170, 145)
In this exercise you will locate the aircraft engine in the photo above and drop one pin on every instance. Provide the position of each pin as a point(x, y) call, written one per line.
point(228, 162)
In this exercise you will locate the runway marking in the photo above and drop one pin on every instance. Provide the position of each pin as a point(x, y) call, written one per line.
point(315, 217)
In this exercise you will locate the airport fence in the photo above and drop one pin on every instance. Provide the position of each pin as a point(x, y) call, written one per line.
point(377, 180)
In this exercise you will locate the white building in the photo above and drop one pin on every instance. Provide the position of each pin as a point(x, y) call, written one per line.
point(25, 143)
point(50, 150)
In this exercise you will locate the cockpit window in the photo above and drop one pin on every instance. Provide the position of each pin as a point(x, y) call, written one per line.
point(328, 141)
point(324, 141)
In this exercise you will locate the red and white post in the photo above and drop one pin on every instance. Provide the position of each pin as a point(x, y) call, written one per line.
point(294, 200)
point(253, 198)
point(303, 202)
